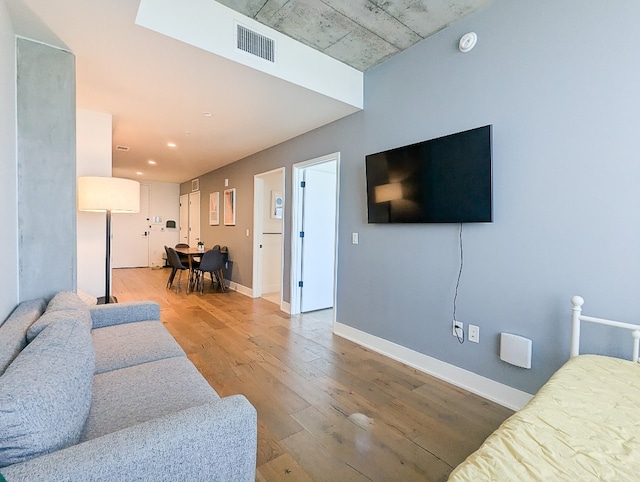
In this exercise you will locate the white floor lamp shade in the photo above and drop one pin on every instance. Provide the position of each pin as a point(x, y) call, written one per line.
point(102, 194)
point(108, 195)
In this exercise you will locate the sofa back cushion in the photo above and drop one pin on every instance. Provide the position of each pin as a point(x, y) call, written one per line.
point(13, 332)
point(66, 300)
point(63, 306)
point(45, 394)
point(49, 317)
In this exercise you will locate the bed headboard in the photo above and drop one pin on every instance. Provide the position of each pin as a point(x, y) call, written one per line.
point(577, 302)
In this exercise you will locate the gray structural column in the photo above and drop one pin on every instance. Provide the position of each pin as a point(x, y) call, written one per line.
point(46, 121)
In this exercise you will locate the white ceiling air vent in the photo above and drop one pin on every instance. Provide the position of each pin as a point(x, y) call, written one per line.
point(122, 148)
point(255, 43)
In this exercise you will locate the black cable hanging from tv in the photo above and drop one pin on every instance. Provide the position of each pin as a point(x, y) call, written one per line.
point(455, 297)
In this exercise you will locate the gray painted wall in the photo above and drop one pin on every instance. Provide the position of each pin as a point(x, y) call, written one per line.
point(558, 81)
point(46, 169)
point(8, 193)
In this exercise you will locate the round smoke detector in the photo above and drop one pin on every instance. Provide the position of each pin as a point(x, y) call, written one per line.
point(468, 41)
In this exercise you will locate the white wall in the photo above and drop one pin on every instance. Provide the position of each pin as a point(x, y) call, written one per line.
point(164, 201)
point(93, 136)
point(8, 163)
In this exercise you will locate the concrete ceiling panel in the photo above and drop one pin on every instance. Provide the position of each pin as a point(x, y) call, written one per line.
point(349, 49)
point(269, 9)
point(360, 33)
point(426, 17)
point(316, 23)
point(377, 21)
point(250, 8)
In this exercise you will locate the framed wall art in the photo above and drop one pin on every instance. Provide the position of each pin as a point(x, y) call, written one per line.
point(214, 209)
point(230, 207)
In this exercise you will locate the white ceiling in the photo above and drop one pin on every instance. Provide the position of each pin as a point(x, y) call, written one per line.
point(158, 88)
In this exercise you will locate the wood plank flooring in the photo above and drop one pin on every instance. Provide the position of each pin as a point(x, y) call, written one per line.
point(328, 409)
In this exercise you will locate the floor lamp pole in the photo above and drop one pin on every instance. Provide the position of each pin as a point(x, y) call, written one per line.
point(107, 274)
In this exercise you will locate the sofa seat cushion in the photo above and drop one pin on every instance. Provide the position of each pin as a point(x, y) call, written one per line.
point(45, 394)
point(13, 332)
point(125, 397)
point(128, 344)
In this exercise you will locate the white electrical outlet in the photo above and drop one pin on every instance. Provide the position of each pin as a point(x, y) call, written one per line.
point(457, 329)
point(474, 333)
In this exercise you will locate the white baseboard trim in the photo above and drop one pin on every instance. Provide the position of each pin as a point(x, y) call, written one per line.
point(243, 290)
point(490, 389)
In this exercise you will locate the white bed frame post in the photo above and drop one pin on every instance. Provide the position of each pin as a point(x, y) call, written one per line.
point(577, 317)
point(577, 302)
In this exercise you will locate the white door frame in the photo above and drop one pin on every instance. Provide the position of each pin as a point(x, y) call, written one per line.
point(296, 227)
point(258, 191)
point(194, 218)
point(184, 219)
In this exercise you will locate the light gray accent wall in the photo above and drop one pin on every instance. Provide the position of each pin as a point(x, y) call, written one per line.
point(46, 169)
point(558, 81)
point(8, 190)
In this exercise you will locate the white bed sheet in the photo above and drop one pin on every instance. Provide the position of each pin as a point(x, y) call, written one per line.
point(584, 424)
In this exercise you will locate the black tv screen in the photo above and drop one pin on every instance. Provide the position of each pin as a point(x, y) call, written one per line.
point(443, 180)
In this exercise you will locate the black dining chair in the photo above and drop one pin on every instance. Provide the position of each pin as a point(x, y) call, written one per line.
point(182, 257)
point(212, 262)
point(185, 259)
point(176, 265)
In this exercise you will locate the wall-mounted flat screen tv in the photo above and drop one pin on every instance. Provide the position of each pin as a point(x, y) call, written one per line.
point(443, 180)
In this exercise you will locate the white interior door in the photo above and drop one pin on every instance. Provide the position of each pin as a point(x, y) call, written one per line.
point(184, 219)
point(194, 218)
point(130, 233)
point(319, 240)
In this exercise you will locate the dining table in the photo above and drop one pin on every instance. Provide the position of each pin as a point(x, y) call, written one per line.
point(190, 253)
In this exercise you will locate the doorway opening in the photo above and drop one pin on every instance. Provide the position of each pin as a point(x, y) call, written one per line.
point(268, 239)
point(314, 234)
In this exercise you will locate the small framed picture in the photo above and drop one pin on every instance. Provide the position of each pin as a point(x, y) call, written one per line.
point(195, 185)
point(230, 207)
point(277, 204)
point(214, 209)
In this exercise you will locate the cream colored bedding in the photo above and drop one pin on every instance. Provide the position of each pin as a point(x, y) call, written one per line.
point(584, 424)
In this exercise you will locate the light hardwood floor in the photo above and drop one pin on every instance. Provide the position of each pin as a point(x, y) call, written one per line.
point(328, 409)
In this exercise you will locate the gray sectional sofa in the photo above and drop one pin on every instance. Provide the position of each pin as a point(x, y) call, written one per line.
point(106, 393)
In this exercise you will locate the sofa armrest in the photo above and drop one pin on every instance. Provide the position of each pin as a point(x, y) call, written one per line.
point(216, 441)
point(118, 313)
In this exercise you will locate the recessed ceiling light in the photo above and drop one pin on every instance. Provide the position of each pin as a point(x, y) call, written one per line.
point(207, 114)
point(139, 173)
point(187, 133)
point(171, 144)
point(152, 162)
